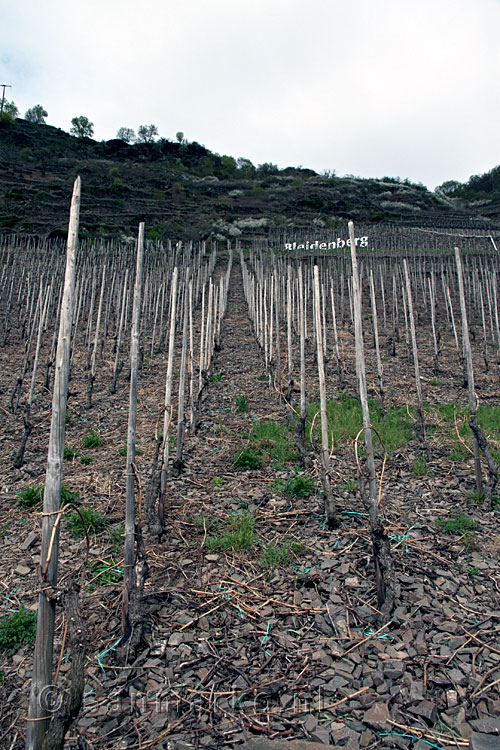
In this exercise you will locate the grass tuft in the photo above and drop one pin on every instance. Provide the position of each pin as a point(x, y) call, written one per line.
point(421, 467)
point(242, 405)
point(32, 497)
point(247, 459)
point(275, 556)
point(94, 522)
point(345, 421)
point(456, 525)
point(17, 629)
point(106, 572)
point(92, 440)
point(239, 534)
point(300, 485)
point(70, 453)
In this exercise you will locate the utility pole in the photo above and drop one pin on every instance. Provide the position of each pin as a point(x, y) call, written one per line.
point(5, 86)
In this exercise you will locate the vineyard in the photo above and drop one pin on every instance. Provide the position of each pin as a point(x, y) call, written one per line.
point(262, 502)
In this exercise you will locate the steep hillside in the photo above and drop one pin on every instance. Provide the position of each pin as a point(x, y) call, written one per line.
point(185, 191)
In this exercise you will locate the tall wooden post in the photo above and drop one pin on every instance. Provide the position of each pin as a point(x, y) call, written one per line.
point(38, 711)
point(384, 566)
point(130, 536)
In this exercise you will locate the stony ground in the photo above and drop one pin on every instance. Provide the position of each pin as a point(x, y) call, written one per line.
point(236, 649)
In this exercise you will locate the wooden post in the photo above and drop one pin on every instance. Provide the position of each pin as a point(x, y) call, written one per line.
point(470, 371)
point(168, 392)
point(325, 448)
point(181, 424)
point(420, 424)
point(380, 369)
point(38, 711)
point(301, 427)
point(116, 369)
point(384, 566)
point(133, 573)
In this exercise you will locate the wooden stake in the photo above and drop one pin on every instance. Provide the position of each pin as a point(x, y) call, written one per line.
point(38, 713)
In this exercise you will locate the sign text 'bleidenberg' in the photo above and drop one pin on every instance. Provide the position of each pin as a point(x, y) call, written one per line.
point(333, 245)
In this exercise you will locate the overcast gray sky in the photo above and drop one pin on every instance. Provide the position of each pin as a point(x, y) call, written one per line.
point(405, 88)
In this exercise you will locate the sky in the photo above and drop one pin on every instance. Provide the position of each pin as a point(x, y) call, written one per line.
point(403, 88)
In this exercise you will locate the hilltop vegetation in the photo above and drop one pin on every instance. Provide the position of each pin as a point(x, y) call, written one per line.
point(184, 190)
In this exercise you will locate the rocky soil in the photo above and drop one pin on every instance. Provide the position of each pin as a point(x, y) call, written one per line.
point(236, 650)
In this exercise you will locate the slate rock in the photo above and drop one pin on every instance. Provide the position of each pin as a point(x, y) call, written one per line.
point(480, 741)
point(261, 743)
point(29, 541)
point(377, 716)
point(488, 725)
point(426, 709)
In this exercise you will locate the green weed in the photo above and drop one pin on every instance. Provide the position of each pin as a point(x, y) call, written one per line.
point(117, 538)
point(345, 421)
point(474, 571)
point(275, 556)
point(239, 534)
point(300, 485)
point(268, 441)
point(69, 496)
point(31, 497)
point(218, 482)
point(420, 467)
point(92, 440)
point(17, 629)
point(456, 525)
point(105, 572)
point(204, 524)
point(449, 418)
point(217, 377)
point(272, 441)
point(86, 460)
point(123, 450)
point(247, 459)
point(242, 405)
point(70, 453)
point(350, 485)
point(94, 522)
